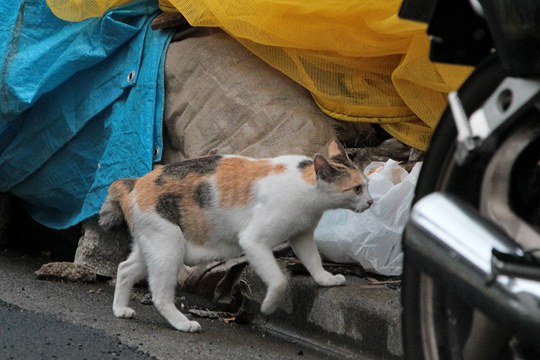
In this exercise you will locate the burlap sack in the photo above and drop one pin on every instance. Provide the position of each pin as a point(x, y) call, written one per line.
point(222, 98)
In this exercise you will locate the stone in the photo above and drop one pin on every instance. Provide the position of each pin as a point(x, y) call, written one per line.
point(100, 250)
point(66, 271)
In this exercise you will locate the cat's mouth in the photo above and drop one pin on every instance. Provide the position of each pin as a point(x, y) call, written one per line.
point(364, 208)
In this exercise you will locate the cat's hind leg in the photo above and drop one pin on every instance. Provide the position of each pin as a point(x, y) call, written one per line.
point(305, 248)
point(129, 272)
point(163, 245)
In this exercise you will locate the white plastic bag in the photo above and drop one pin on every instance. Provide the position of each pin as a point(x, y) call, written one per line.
point(372, 238)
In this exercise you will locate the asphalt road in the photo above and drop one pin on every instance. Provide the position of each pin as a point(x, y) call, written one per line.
point(56, 320)
point(28, 335)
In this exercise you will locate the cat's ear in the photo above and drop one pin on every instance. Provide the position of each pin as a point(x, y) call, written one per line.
point(335, 149)
point(323, 169)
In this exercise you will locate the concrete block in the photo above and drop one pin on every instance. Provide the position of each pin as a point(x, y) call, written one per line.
point(355, 321)
point(101, 250)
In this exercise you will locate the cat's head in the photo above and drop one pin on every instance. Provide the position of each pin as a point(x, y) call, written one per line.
point(339, 176)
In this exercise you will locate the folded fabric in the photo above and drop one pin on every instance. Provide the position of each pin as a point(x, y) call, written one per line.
point(81, 105)
point(359, 60)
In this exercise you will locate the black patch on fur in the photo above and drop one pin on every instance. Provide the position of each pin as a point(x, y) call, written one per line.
point(203, 195)
point(129, 183)
point(113, 217)
point(200, 166)
point(168, 207)
point(324, 170)
point(304, 164)
point(342, 159)
point(328, 174)
point(159, 180)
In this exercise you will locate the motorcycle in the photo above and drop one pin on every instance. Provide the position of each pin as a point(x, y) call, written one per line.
point(471, 279)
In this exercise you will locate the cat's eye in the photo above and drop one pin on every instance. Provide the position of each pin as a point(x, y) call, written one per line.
point(358, 189)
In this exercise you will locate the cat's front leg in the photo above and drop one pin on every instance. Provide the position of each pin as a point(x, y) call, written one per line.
point(261, 258)
point(305, 248)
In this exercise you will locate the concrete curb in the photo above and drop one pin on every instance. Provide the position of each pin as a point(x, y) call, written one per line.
point(355, 321)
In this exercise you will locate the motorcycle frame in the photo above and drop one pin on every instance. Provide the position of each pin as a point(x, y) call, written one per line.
point(466, 252)
point(508, 26)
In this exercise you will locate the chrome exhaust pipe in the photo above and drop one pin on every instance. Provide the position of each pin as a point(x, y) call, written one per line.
point(450, 241)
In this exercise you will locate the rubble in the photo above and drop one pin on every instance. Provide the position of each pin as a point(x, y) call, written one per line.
point(66, 271)
point(388, 149)
point(100, 250)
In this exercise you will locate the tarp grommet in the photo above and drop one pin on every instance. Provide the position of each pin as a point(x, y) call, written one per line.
point(131, 76)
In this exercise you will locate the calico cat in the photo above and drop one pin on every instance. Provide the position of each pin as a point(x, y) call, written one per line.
point(221, 206)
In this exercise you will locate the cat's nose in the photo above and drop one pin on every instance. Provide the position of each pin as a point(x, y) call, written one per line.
point(370, 202)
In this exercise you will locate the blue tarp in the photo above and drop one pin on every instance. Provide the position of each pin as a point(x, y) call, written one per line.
point(80, 105)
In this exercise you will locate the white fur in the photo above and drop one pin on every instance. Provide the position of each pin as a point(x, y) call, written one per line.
point(283, 207)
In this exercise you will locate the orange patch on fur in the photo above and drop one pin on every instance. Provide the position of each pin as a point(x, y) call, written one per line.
point(235, 178)
point(309, 176)
point(358, 177)
point(145, 190)
point(193, 220)
point(121, 192)
point(355, 178)
point(194, 224)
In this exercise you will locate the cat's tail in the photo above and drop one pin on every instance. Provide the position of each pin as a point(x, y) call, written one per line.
point(112, 214)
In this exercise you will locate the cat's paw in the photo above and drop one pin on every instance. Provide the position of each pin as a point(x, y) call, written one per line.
point(331, 280)
point(269, 306)
point(188, 326)
point(273, 298)
point(123, 312)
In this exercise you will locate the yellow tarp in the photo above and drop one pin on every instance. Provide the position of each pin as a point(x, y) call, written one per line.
point(357, 58)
